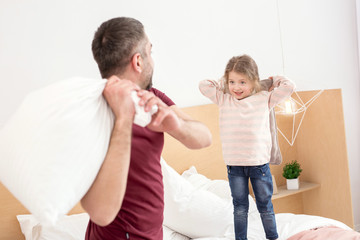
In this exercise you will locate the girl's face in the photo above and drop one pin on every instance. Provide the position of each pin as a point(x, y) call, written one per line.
point(239, 85)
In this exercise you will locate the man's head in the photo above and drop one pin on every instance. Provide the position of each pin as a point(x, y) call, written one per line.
point(120, 45)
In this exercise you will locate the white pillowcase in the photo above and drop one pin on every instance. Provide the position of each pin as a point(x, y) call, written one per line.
point(169, 234)
point(53, 146)
point(194, 212)
point(199, 181)
point(71, 227)
point(219, 187)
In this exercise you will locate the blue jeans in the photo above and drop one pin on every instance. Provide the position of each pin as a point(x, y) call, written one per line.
point(261, 181)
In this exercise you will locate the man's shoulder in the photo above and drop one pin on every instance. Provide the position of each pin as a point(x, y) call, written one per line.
point(162, 96)
point(156, 91)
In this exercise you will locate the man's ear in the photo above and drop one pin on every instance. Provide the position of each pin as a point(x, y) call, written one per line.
point(137, 62)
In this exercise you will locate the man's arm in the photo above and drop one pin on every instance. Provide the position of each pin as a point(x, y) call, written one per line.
point(104, 198)
point(193, 134)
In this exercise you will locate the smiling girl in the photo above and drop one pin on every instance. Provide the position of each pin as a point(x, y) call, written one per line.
point(245, 134)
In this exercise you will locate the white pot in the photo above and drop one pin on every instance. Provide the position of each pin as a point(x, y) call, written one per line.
point(292, 184)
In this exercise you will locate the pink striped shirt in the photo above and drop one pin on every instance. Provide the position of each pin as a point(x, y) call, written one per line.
point(244, 124)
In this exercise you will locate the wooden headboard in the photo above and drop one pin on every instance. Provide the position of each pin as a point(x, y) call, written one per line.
point(9, 208)
point(320, 148)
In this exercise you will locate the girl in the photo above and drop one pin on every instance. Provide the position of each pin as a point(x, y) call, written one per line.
point(245, 135)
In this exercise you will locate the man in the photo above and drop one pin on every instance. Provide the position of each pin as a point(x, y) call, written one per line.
point(126, 199)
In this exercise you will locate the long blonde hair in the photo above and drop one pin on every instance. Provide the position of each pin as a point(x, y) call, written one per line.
point(243, 64)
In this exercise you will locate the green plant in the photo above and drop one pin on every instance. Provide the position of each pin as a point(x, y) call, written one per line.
point(292, 170)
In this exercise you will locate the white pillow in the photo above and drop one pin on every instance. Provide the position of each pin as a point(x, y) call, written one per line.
point(71, 227)
point(27, 222)
point(199, 181)
point(194, 212)
point(219, 187)
point(54, 145)
point(169, 234)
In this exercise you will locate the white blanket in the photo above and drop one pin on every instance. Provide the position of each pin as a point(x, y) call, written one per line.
point(288, 224)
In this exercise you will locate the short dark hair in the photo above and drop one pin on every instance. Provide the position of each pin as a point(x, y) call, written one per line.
point(115, 42)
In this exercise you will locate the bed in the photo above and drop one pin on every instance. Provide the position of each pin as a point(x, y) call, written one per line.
point(197, 196)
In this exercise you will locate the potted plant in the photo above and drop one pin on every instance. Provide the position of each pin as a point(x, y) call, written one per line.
point(291, 172)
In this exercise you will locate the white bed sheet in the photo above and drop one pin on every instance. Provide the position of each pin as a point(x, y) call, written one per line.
point(291, 224)
point(288, 224)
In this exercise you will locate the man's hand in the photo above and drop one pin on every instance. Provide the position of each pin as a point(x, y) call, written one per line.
point(117, 94)
point(165, 119)
point(172, 120)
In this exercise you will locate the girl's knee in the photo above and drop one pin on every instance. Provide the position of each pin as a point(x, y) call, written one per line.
point(241, 212)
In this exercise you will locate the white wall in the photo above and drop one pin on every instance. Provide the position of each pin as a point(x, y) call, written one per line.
point(45, 41)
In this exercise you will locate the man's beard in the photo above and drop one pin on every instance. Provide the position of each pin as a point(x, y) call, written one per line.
point(148, 80)
point(150, 84)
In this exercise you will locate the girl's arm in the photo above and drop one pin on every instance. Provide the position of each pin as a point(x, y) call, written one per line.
point(283, 88)
point(213, 90)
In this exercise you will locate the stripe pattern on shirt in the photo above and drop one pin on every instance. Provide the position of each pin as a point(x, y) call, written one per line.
point(244, 124)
